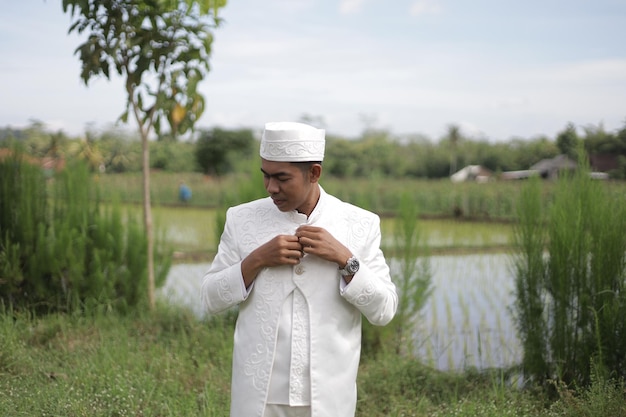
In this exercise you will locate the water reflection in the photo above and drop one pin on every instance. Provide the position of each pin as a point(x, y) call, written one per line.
point(466, 321)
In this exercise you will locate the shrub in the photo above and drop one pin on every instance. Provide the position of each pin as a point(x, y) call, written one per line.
point(571, 300)
point(60, 249)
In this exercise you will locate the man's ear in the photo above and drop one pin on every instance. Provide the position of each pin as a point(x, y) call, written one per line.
point(315, 172)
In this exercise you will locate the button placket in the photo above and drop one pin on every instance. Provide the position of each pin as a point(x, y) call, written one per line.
point(299, 351)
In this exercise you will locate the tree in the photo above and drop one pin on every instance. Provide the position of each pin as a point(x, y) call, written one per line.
point(214, 148)
point(161, 48)
point(88, 149)
point(454, 136)
point(568, 141)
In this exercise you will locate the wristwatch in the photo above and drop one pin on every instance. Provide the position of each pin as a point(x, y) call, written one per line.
point(351, 268)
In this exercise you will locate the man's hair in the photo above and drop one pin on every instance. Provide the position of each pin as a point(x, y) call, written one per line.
point(305, 166)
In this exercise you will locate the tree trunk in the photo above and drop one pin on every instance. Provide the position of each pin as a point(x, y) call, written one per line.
point(147, 217)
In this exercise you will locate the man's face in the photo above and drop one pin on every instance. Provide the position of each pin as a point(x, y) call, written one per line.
point(290, 187)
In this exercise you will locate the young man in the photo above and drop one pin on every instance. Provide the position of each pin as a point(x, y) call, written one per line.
point(303, 267)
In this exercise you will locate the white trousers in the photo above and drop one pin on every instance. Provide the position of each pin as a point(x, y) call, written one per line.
point(279, 410)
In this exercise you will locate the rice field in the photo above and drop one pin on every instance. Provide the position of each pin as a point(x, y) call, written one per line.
point(465, 323)
point(190, 232)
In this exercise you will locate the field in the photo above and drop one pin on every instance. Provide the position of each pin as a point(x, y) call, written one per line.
point(434, 198)
point(170, 363)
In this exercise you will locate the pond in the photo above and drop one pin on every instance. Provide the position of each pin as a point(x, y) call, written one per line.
point(465, 323)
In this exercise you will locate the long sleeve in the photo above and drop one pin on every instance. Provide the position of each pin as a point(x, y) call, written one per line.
point(223, 285)
point(371, 290)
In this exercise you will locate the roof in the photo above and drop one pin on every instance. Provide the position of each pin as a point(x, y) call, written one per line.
point(557, 163)
point(471, 173)
point(518, 175)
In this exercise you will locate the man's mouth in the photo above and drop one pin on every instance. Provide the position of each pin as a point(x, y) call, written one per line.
point(277, 200)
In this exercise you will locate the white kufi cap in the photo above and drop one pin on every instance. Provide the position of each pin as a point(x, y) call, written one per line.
point(292, 142)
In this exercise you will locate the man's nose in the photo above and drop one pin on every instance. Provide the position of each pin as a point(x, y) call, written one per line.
point(271, 186)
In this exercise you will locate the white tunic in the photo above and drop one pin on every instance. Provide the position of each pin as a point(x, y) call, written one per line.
point(289, 380)
point(303, 316)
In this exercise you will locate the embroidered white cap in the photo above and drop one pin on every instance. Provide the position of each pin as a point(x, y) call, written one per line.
point(292, 142)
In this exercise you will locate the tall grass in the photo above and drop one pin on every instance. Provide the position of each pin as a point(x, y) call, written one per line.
point(571, 302)
point(530, 239)
point(413, 278)
point(23, 220)
point(60, 249)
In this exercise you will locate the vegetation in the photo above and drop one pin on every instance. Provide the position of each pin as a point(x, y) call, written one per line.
point(60, 249)
point(496, 201)
point(97, 352)
point(375, 154)
point(414, 280)
point(169, 363)
point(571, 277)
point(161, 49)
point(217, 150)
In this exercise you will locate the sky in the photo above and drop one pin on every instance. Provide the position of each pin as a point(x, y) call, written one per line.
point(498, 69)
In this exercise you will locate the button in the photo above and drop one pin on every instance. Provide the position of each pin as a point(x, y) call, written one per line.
point(299, 269)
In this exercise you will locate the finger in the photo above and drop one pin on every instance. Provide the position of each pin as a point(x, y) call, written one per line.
point(307, 230)
point(299, 244)
point(297, 254)
point(308, 248)
point(291, 238)
point(302, 228)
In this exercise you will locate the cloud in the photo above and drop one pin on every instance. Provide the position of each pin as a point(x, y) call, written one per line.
point(292, 6)
point(589, 71)
point(350, 6)
point(422, 7)
point(511, 103)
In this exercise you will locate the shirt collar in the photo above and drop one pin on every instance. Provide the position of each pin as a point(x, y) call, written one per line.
point(300, 218)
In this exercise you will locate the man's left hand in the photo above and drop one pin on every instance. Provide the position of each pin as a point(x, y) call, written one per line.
point(319, 242)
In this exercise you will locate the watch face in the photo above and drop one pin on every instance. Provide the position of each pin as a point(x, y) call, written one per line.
point(353, 266)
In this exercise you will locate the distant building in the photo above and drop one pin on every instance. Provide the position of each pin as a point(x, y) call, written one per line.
point(475, 173)
point(553, 167)
point(550, 168)
point(47, 163)
point(518, 175)
point(603, 162)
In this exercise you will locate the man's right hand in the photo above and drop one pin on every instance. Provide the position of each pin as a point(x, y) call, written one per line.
point(281, 250)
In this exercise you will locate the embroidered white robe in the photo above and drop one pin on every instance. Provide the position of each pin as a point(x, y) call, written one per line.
point(333, 309)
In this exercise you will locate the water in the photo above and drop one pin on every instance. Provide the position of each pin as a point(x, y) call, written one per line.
point(465, 323)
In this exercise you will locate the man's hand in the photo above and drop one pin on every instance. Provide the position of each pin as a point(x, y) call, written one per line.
point(281, 250)
point(319, 242)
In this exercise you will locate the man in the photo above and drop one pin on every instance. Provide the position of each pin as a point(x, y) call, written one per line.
point(184, 192)
point(303, 267)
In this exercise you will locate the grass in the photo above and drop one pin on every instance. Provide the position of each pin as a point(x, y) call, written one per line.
point(169, 363)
